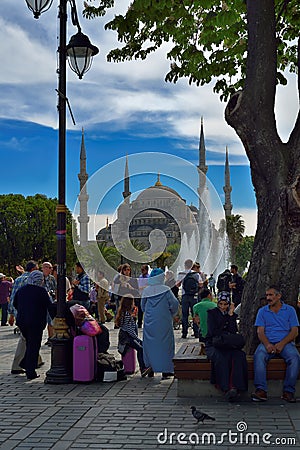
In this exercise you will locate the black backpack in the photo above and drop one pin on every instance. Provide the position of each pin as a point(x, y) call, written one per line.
point(190, 284)
point(223, 282)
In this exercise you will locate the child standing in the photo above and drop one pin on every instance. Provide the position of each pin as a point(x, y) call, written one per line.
point(126, 321)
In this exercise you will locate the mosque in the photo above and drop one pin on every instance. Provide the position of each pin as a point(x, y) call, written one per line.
point(157, 210)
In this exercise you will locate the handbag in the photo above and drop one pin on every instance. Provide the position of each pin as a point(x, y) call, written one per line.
point(90, 327)
point(229, 341)
point(84, 321)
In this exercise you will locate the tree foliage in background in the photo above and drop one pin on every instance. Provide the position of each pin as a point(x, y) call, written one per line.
point(244, 252)
point(28, 230)
point(208, 37)
point(244, 47)
point(235, 227)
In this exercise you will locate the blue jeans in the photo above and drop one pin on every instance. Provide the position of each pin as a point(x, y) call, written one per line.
point(292, 358)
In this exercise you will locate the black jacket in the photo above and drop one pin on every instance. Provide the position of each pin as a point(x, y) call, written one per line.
point(32, 303)
point(217, 323)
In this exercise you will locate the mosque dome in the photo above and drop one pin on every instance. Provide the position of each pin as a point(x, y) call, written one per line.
point(158, 191)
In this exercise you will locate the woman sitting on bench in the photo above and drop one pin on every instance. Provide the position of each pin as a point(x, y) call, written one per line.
point(229, 368)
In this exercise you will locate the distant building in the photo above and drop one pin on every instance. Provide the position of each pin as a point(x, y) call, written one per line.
point(153, 211)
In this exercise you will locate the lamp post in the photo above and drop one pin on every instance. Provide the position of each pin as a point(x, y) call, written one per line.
point(79, 53)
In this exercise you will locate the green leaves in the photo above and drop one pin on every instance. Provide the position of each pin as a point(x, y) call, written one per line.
point(28, 227)
point(209, 37)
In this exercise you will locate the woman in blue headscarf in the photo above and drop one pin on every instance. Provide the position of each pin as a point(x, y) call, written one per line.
point(159, 306)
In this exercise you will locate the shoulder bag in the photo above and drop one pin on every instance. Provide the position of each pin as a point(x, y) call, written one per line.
point(229, 341)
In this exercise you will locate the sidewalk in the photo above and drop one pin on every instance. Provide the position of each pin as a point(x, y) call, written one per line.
point(137, 414)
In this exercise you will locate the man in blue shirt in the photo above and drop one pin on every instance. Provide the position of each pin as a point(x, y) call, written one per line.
point(277, 328)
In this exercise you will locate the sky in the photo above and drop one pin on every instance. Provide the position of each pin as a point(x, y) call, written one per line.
point(124, 108)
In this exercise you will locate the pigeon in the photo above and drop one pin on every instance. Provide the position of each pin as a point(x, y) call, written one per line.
point(200, 416)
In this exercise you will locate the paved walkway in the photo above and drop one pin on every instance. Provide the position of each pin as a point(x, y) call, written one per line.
point(137, 414)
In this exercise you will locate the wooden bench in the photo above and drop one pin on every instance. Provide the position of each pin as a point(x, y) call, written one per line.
point(192, 370)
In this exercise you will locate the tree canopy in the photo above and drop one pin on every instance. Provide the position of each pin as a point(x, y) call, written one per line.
point(28, 227)
point(208, 38)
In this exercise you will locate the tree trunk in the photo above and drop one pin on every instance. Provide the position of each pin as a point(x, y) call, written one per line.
point(275, 171)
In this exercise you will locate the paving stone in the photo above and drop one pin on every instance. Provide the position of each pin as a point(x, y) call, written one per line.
point(125, 415)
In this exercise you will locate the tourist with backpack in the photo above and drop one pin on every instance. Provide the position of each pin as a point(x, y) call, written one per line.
point(223, 281)
point(237, 285)
point(191, 283)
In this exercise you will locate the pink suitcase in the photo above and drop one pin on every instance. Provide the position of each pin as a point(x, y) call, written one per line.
point(129, 361)
point(84, 358)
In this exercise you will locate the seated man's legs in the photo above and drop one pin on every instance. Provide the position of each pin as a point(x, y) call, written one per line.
point(261, 359)
point(292, 358)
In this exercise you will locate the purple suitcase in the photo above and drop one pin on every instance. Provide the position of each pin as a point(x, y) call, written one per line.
point(129, 361)
point(84, 358)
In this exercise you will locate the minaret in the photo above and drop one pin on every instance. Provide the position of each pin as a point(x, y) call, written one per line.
point(83, 197)
point(227, 188)
point(126, 193)
point(202, 161)
point(202, 219)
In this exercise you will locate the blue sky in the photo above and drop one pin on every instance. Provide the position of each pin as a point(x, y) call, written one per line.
point(124, 108)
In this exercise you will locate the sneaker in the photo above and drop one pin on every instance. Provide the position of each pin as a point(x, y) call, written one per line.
point(145, 371)
point(151, 374)
point(17, 372)
point(259, 395)
point(288, 397)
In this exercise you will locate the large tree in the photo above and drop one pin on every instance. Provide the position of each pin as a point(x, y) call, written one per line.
point(246, 46)
point(27, 227)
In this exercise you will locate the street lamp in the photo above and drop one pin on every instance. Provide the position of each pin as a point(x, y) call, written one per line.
point(80, 53)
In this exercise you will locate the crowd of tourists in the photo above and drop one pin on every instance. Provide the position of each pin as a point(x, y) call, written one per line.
point(208, 305)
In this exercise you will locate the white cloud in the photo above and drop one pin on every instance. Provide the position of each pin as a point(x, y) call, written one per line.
point(250, 218)
point(120, 93)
